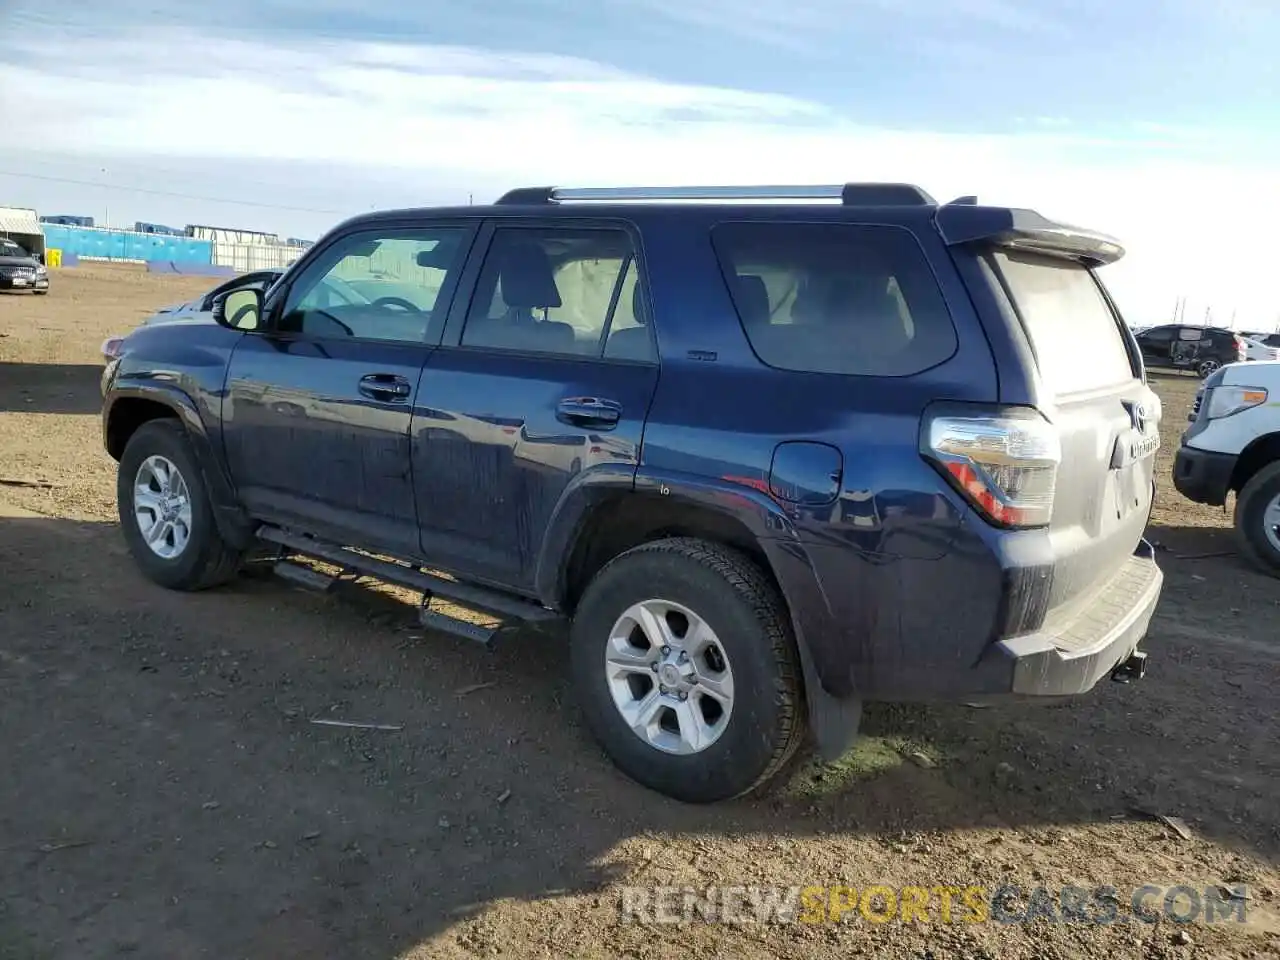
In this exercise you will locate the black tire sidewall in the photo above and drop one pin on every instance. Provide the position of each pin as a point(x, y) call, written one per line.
point(169, 440)
point(747, 748)
point(1257, 493)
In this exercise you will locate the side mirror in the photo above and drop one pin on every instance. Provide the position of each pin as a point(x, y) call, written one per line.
point(239, 309)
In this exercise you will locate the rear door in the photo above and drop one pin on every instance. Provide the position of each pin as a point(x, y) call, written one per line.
point(546, 374)
point(1107, 417)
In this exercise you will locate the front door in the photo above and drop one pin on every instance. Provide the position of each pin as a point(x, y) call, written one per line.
point(318, 407)
point(546, 373)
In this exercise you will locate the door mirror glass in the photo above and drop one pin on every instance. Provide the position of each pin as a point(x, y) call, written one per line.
point(239, 309)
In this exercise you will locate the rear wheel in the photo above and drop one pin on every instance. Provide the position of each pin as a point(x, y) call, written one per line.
point(683, 654)
point(1257, 519)
point(165, 511)
point(1206, 367)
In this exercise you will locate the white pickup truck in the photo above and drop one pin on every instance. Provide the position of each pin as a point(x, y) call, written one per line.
point(1233, 444)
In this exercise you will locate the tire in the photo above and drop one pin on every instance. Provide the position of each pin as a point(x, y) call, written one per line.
point(1259, 494)
point(40, 293)
point(205, 560)
point(764, 724)
point(1207, 367)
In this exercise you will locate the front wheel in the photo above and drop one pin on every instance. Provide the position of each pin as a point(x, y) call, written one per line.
point(684, 657)
point(1257, 519)
point(165, 511)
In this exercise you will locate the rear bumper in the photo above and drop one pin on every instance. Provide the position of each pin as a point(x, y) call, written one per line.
point(1071, 654)
point(920, 631)
point(1203, 475)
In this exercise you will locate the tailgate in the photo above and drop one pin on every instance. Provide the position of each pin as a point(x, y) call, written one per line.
point(1108, 418)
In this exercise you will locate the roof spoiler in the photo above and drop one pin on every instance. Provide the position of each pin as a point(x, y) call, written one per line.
point(963, 221)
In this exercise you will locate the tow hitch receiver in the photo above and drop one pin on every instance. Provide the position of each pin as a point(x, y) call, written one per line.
point(1133, 668)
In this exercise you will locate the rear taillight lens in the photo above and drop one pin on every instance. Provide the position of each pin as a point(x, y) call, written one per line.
point(1242, 348)
point(1007, 467)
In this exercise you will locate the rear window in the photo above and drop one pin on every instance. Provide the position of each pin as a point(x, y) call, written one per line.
point(835, 298)
point(1073, 330)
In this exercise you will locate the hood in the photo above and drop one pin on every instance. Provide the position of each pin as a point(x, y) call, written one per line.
point(19, 262)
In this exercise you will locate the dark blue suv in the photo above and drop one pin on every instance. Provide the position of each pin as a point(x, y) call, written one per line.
point(774, 452)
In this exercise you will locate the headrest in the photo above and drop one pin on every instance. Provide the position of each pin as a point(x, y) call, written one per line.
point(753, 299)
point(637, 305)
point(527, 278)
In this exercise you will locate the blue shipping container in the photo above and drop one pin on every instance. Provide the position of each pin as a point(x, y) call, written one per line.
point(126, 245)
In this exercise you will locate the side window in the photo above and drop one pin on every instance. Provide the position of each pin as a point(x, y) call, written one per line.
point(376, 285)
point(1158, 335)
point(835, 298)
point(562, 291)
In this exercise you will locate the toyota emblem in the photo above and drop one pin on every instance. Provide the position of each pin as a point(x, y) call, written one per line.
point(1139, 414)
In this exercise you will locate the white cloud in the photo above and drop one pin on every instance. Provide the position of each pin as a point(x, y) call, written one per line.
point(457, 115)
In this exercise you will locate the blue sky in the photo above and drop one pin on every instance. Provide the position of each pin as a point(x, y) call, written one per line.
point(1118, 115)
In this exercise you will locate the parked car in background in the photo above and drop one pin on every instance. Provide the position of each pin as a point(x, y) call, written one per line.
point(1268, 339)
point(1181, 346)
point(1258, 350)
point(20, 270)
point(567, 406)
point(1233, 445)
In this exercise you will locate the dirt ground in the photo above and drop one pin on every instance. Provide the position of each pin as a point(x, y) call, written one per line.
point(164, 793)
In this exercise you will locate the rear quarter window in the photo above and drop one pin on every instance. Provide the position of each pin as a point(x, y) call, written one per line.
point(849, 299)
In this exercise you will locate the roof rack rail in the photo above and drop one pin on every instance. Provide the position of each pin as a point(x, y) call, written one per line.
point(850, 194)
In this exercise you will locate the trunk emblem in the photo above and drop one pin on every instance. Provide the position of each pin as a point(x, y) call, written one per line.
point(1138, 414)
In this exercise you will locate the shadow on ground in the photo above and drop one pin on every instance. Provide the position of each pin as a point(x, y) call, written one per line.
point(165, 789)
point(50, 388)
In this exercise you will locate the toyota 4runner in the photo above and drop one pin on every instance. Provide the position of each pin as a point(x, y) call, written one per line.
point(773, 452)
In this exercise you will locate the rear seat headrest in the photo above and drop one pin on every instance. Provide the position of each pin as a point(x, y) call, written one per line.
point(637, 305)
point(753, 299)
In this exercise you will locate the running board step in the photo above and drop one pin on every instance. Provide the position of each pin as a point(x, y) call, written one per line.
point(303, 576)
point(501, 605)
point(435, 620)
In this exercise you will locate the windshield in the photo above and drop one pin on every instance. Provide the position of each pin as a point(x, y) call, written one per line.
point(10, 249)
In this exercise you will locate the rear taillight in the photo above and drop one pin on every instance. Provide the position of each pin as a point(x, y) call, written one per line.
point(1242, 348)
point(1006, 466)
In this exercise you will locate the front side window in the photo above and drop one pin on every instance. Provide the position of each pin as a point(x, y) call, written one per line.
point(566, 291)
point(376, 286)
point(835, 298)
